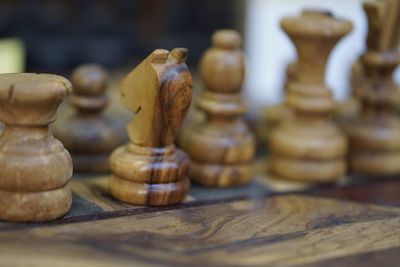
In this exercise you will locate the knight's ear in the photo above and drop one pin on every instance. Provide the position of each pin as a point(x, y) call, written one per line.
point(159, 56)
point(178, 55)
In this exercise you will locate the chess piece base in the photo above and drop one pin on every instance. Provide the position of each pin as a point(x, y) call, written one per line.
point(149, 176)
point(320, 171)
point(310, 152)
point(380, 164)
point(35, 206)
point(375, 146)
point(219, 175)
point(149, 194)
point(90, 139)
point(221, 154)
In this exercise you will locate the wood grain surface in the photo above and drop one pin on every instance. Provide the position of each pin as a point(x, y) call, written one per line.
point(317, 227)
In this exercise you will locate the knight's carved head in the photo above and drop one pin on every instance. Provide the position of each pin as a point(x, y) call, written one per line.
point(159, 92)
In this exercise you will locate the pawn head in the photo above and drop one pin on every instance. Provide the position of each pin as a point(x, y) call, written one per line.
point(89, 79)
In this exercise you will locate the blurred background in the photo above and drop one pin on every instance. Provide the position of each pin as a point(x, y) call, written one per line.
point(55, 36)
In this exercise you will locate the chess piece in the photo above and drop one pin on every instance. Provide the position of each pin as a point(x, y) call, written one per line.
point(90, 135)
point(347, 111)
point(375, 136)
point(150, 170)
point(221, 147)
point(34, 166)
point(275, 114)
point(310, 147)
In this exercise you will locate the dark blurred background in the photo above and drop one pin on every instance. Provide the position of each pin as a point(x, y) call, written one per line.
point(60, 34)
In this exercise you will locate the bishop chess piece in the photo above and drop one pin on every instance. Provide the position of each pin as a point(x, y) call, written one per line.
point(150, 170)
point(375, 135)
point(88, 134)
point(221, 146)
point(34, 166)
point(310, 147)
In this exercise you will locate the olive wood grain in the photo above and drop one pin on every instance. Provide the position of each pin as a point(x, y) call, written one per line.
point(90, 135)
point(150, 170)
point(375, 135)
point(284, 230)
point(34, 166)
point(221, 146)
point(310, 147)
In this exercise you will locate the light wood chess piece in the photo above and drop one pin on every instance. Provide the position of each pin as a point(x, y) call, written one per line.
point(375, 136)
point(310, 147)
point(34, 167)
point(150, 170)
point(347, 111)
point(273, 115)
point(221, 146)
point(89, 134)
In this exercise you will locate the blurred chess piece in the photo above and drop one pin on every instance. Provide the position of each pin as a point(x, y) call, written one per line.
point(375, 135)
point(273, 115)
point(88, 134)
point(221, 146)
point(150, 170)
point(350, 109)
point(310, 147)
point(34, 167)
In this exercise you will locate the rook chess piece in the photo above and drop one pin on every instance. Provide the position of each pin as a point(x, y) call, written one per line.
point(34, 166)
point(89, 135)
point(375, 136)
point(310, 147)
point(221, 147)
point(150, 170)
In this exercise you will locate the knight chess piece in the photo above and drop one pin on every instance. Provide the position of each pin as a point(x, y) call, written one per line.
point(88, 134)
point(375, 135)
point(150, 170)
point(310, 147)
point(221, 146)
point(34, 166)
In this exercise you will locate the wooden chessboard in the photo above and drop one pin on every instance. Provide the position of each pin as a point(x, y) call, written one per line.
point(351, 224)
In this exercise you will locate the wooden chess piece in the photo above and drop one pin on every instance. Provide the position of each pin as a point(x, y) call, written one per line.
point(150, 170)
point(34, 166)
point(375, 136)
point(275, 114)
point(310, 147)
point(90, 135)
point(347, 111)
point(221, 147)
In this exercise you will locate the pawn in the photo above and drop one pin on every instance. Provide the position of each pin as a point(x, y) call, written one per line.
point(34, 166)
point(89, 135)
point(150, 170)
point(310, 147)
point(221, 146)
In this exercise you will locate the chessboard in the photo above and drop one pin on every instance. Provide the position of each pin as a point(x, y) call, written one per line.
point(326, 193)
point(347, 224)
